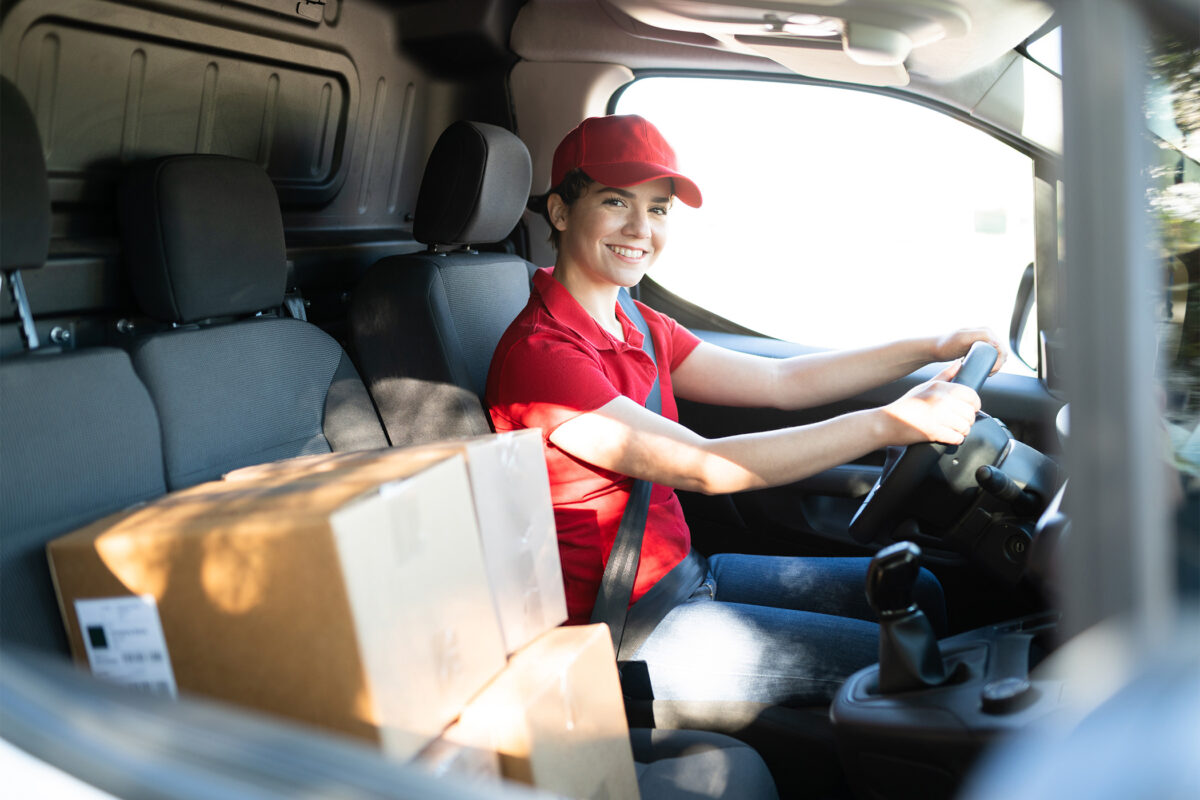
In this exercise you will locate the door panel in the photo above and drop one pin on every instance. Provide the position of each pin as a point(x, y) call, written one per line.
point(811, 516)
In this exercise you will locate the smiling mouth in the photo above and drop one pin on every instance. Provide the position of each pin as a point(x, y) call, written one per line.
point(627, 252)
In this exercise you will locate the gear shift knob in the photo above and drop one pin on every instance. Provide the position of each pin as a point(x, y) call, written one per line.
point(891, 578)
point(909, 658)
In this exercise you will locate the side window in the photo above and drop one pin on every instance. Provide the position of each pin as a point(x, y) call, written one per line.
point(1173, 118)
point(839, 218)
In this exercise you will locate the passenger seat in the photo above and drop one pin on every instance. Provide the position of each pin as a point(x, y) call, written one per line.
point(78, 432)
point(203, 241)
point(424, 327)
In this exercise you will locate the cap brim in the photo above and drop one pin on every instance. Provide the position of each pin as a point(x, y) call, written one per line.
point(627, 174)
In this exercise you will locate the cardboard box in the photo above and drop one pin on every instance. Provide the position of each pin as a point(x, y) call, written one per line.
point(511, 490)
point(511, 493)
point(356, 600)
point(469, 764)
point(556, 717)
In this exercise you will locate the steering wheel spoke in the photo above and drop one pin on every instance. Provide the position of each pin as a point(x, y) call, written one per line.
point(879, 513)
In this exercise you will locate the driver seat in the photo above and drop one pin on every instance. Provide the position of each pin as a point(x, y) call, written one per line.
point(423, 326)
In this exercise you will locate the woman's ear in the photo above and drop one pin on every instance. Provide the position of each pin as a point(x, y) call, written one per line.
point(556, 210)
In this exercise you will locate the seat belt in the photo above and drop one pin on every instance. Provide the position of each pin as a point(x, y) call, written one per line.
point(616, 586)
point(654, 399)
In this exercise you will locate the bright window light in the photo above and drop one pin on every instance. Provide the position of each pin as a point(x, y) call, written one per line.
point(1047, 51)
point(838, 218)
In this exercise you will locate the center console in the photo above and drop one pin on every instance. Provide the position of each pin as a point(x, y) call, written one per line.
point(912, 725)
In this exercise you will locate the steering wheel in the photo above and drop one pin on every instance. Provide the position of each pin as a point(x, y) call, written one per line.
point(878, 513)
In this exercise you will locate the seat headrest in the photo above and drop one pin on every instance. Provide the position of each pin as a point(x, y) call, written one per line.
point(474, 188)
point(24, 189)
point(202, 236)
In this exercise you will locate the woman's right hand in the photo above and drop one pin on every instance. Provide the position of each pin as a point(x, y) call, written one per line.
point(935, 411)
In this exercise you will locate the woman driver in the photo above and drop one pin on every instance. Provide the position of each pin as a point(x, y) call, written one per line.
point(754, 628)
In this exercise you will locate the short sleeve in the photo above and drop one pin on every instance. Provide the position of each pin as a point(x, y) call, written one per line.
point(544, 381)
point(682, 341)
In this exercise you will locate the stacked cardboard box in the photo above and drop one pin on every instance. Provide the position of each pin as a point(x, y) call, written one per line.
point(510, 491)
point(556, 717)
point(374, 593)
point(355, 599)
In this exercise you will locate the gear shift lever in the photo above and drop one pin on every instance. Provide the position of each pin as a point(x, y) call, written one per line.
point(908, 653)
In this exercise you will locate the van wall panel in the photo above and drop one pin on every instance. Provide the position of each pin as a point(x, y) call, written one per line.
point(105, 94)
point(334, 105)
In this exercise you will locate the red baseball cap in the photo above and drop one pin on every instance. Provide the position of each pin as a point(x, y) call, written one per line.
point(621, 150)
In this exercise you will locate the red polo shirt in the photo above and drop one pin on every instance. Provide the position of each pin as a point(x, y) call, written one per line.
point(554, 363)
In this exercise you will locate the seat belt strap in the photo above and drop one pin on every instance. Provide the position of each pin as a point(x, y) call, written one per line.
point(654, 398)
point(616, 586)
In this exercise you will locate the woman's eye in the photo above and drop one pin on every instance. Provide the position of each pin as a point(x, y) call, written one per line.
point(660, 210)
point(614, 201)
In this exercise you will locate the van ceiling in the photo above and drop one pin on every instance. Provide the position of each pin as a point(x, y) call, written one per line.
point(950, 38)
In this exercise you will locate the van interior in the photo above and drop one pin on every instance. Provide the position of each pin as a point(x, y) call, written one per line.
point(243, 231)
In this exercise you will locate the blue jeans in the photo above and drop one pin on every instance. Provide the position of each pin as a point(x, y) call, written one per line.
point(770, 629)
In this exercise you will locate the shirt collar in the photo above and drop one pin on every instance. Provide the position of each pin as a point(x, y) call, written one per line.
point(566, 309)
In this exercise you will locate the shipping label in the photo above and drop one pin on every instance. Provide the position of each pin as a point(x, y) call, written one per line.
point(124, 640)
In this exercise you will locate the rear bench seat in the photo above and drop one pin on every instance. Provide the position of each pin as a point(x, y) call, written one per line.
point(82, 436)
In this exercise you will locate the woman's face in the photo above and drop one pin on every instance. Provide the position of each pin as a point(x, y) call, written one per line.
point(613, 235)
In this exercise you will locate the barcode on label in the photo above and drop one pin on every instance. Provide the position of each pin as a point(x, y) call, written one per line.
point(152, 687)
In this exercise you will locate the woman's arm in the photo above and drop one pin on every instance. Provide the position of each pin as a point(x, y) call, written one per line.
point(624, 437)
point(712, 374)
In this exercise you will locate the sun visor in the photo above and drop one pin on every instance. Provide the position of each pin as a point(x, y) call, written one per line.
point(827, 62)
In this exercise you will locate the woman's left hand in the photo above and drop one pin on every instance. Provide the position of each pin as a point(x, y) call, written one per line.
point(956, 344)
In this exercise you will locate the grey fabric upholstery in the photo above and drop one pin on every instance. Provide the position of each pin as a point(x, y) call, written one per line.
point(698, 764)
point(80, 439)
point(78, 433)
point(24, 190)
point(245, 393)
point(424, 328)
point(350, 419)
point(474, 187)
point(203, 237)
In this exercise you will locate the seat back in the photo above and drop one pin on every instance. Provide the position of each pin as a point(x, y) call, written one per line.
point(78, 433)
point(424, 325)
point(203, 239)
point(80, 440)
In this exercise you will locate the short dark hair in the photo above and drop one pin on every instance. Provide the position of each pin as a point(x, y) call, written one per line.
point(572, 187)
